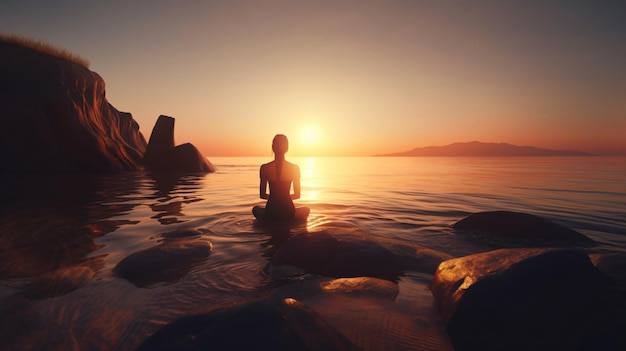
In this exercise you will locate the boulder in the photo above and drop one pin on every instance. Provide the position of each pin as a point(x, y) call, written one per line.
point(515, 229)
point(55, 117)
point(162, 155)
point(337, 252)
point(528, 299)
point(165, 263)
point(318, 287)
point(362, 286)
point(270, 324)
point(613, 264)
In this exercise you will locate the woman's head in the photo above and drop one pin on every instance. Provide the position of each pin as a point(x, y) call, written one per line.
point(280, 144)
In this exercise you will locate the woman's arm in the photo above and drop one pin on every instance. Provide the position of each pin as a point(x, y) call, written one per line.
point(296, 184)
point(263, 184)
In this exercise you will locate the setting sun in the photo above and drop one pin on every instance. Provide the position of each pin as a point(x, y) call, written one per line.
point(310, 136)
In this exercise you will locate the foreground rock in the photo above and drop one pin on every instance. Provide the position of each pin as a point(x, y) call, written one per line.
point(613, 264)
point(272, 324)
point(164, 263)
point(356, 287)
point(514, 229)
point(374, 313)
point(339, 252)
point(55, 117)
point(162, 154)
point(529, 299)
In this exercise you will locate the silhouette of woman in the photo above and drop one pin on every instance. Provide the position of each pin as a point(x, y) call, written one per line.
point(280, 175)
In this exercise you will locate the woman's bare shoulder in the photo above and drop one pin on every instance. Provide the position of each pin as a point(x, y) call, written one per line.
point(266, 165)
point(293, 167)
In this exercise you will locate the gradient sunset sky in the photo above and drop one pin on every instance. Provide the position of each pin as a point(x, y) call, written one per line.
point(352, 77)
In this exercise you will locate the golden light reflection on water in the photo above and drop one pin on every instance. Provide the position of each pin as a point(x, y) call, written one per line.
point(310, 182)
point(59, 243)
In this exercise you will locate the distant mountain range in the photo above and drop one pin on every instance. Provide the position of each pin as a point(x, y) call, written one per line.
point(477, 148)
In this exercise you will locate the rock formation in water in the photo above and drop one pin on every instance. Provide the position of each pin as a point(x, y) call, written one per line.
point(339, 252)
point(59, 282)
point(162, 154)
point(270, 324)
point(514, 229)
point(613, 264)
point(55, 117)
point(529, 299)
point(165, 263)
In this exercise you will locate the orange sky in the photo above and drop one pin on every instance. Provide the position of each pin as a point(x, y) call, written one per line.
point(353, 77)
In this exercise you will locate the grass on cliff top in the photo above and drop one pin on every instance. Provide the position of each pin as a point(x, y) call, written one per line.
point(43, 48)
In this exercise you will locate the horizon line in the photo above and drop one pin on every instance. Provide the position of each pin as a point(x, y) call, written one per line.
point(464, 156)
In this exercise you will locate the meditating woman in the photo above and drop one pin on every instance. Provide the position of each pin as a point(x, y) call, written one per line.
point(280, 175)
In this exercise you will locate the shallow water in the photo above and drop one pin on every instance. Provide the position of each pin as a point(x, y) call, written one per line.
point(83, 226)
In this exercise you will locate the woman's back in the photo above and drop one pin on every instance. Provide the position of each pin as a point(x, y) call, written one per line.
point(279, 175)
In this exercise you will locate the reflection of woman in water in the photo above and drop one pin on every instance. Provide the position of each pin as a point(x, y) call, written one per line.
point(280, 174)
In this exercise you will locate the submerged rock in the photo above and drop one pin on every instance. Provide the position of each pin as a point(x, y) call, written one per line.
point(336, 252)
point(271, 324)
point(371, 313)
point(181, 234)
point(162, 154)
point(59, 282)
point(418, 258)
point(55, 117)
point(166, 262)
point(514, 229)
point(528, 299)
point(362, 286)
point(314, 286)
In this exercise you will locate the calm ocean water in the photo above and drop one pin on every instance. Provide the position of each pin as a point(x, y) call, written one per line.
point(82, 226)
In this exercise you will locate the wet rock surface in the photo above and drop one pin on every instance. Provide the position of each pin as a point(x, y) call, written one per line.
point(165, 263)
point(529, 299)
point(613, 264)
point(269, 324)
point(338, 252)
point(503, 229)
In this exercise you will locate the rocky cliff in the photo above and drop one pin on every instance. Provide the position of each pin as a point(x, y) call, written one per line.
point(54, 117)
